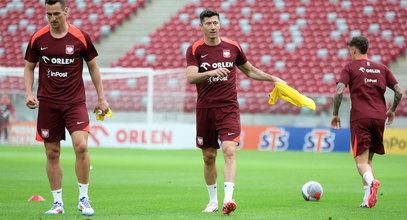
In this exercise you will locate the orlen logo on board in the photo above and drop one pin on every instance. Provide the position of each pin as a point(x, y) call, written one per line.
point(319, 140)
point(275, 139)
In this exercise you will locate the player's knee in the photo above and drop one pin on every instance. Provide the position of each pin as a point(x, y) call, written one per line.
point(52, 154)
point(229, 152)
point(81, 148)
point(209, 158)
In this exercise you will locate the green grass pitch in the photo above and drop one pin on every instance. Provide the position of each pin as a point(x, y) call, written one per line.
point(159, 184)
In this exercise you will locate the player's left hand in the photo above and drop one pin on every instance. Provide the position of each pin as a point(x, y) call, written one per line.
point(390, 117)
point(103, 106)
point(335, 122)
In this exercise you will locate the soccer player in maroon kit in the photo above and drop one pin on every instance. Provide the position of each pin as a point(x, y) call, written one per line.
point(367, 82)
point(211, 66)
point(60, 49)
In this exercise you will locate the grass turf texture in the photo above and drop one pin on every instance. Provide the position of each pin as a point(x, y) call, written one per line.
point(158, 184)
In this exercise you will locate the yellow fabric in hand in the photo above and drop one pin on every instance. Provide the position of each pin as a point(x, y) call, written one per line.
point(100, 117)
point(284, 91)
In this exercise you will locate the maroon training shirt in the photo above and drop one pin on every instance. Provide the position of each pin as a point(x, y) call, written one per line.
point(367, 82)
point(61, 64)
point(216, 91)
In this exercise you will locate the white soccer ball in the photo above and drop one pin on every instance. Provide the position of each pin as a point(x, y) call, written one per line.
point(312, 191)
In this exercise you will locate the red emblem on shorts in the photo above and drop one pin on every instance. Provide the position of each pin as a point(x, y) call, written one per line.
point(226, 53)
point(45, 133)
point(69, 49)
point(199, 140)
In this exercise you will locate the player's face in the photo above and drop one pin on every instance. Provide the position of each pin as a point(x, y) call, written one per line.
point(210, 27)
point(56, 15)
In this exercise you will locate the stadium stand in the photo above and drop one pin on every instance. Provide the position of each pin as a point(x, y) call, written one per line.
point(302, 42)
point(19, 21)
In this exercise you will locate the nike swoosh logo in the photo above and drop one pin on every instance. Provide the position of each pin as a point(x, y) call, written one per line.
point(231, 133)
point(44, 48)
point(203, 56)
point(80, 122)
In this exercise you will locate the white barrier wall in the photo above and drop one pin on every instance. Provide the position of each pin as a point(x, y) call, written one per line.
point(128, 135)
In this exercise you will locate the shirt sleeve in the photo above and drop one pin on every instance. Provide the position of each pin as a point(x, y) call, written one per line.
point(190, 58)
point(90, 51)
point(32, 53)
point(241, 57)
point(345, 76)
point(390, 79)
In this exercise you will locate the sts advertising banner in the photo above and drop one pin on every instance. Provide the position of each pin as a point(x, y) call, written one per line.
point(297, 139)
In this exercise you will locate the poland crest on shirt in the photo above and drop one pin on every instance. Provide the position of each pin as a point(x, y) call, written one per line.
point(44, 133)
point(226, 53)
point(69, 49)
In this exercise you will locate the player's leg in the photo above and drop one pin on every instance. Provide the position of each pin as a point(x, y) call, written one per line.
point(364, 145)
point(228, 126)
point(209, 157)
point(82, 168)
point(229, 172)
point(373, 187)
point(229, 155)
point(370, 161)
point(82, 165)
point(378, 148)
point(77, 123)
point(365, 172)
point(361, 141)
point(207, 140)
point(51, 130)
point(210, 174)
point(366, 187)
point(54, 172)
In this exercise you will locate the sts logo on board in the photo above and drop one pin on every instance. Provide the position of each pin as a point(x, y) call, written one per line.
point(275, 139)
point(319, 140)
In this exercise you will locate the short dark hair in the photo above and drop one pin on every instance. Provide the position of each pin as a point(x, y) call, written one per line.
point(360, 42)
point(52, 2)
point(207, 13)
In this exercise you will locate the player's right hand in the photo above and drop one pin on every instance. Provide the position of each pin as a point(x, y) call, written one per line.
point(220, 72)
point(335, 122)
point(390, 117)
point(31, 102)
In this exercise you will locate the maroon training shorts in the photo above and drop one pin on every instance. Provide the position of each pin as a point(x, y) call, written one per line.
point(367, 133)
point(214, 124)
point(54, 118)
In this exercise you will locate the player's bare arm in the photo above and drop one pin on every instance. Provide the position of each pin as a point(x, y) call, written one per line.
point(102, 104)
point(31, 101)
point(336, 121)
point(196, 78)
point(398, 94)
point(256, 74)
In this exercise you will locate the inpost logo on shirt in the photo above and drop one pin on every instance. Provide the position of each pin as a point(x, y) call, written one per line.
point(370, 80)
point(215, 79)
point(51, 73)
